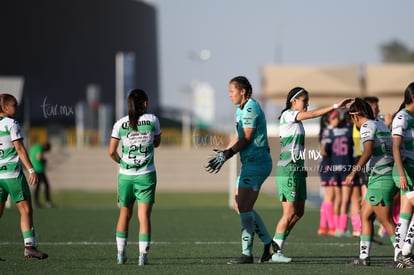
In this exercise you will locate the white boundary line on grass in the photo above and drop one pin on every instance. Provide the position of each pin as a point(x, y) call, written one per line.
point(167, 243)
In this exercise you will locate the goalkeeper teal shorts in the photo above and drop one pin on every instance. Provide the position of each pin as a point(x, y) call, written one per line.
point(140, 188)
point(254, 175)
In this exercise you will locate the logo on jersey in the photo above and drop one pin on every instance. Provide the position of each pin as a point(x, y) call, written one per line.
point(247, 121)
point(126, 124)
point(246, 181)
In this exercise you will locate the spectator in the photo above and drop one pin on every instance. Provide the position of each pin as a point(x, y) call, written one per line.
point(37, 157)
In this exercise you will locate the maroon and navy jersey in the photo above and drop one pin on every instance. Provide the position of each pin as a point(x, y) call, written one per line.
point(339, 147)
point(326, 160)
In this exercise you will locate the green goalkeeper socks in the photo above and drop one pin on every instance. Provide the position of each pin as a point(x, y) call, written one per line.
point(248, 227)
point(261, 229)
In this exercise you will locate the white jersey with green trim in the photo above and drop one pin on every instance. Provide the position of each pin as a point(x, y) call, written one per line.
point(137, 146)
point(10, 165)
point(403, 125)
point(292, 139)
point(381, 160)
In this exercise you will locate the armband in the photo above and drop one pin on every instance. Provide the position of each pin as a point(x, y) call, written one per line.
point(31, 170)
point(335, 106)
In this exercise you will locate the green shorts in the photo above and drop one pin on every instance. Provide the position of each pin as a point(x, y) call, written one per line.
point(381, 189)
point(254, 175)
point(291, 182)
point(140, 188)
point(409, 173)
point(17, 188)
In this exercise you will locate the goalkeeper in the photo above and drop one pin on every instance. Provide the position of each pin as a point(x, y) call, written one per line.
point(250, 140)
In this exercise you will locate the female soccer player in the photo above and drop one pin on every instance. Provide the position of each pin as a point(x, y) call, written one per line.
point(139, 133)
point(403, 151)
point(340, 149)
point(290, 169)
point(326, 221)
point(12, 179)
point(377, 155)
point(250, 140)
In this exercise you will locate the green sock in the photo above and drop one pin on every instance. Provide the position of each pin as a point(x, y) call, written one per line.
point(144, 237)
point(392, 239)
point(261, 229)
point(121, 234)
point(248, 226)
point(29, 237)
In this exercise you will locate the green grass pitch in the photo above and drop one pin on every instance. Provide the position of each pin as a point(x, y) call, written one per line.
point(192, 234)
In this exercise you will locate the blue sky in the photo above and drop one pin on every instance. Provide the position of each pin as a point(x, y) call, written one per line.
point(244, 35)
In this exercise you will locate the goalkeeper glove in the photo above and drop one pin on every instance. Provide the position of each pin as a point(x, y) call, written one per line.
point(215, 162)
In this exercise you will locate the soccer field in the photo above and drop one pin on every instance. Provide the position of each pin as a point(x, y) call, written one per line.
point(193, 233)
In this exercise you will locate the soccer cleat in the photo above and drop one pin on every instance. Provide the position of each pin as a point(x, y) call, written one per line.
point(243, 259)
point(31, 252)
point(278, 257)
point(398, 265)
point(122, 258)
point(339, 233)
point(143, 260)
point(358, 261)
point(267, 253)
point(326, 231)
point(322, 231)
point(405, 261)
point(331, 231)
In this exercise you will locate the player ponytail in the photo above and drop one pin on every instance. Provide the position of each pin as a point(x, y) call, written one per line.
point(408, 93)
point(137, 106)
point(294, 93)
point(242, 83)
point(361, 108)
point(323, 123)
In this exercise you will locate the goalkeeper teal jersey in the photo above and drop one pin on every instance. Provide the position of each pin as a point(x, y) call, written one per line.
point(252, 116)
point(137, 146)
point(10, 166)
point(292, 139)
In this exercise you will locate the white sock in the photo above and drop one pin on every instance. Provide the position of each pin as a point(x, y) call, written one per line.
point(121, 244)
point(409, 239)
point(364, 249)
point(280, 243)
point(30, 241)
point(400, 232)
point(143, 247)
